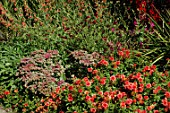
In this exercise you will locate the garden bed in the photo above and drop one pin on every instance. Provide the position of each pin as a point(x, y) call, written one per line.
point(72, 56)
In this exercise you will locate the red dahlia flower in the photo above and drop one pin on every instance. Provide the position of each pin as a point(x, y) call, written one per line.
point(123, 105)
point(167, 94)
point(113, 78)
point(6, 92)
point(165, 102)
point(105, 105)
point(93, 110)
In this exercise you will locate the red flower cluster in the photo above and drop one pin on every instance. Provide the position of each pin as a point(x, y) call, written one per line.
point(124, 53)
point(147, 6)
point(90, 70)
point(103, 62)
point(149, 69)
point(103, 87)
point(6, 92)
point(70, 97)
point(113, 78)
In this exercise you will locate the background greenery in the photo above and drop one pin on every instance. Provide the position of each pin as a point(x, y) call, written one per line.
point(66, 25)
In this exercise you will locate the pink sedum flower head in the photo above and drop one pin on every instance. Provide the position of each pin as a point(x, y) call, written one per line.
point(152, 24)
point(113, 29)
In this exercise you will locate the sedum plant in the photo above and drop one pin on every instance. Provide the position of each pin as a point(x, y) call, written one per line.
point(85, 58)
point(41, 71)
point(79, 61)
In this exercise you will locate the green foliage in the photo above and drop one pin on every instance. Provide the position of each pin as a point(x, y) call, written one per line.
point(158, 43)
point(91, 37)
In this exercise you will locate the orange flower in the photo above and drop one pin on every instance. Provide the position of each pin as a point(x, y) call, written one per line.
point(70, 88)
point(148, 86)
point(6, 92)
point(103, 62)
point(165, 102)
point(24, 109)
point(113, 78)
point(80, 90)
point(61, 112)
point(88, 83)
point(97, 88)
point(88, 98)
point(47, 104)
point(26, 104)
point(168, 84)
point(167, 94)
point(127, 53)
point(93, 110)
point(16, 90)
point(129, 101)
point(120, 53)
point(94, 72)
point(103, 81)
point(70, 97)
point(90, 69)
point(58, 89)
point(1, 96)
point(123, 105)
point(146, 97)
point(105, 105)
point(111, 58)
point(53, 95)
point(117, 63)
point(23, 24)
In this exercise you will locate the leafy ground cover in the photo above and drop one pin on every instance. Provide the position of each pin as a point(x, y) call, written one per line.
point(72, 56)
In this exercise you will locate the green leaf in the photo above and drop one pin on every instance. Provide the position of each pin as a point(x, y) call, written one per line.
point(2, 71)
point(8, 64)
point(2, 66)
